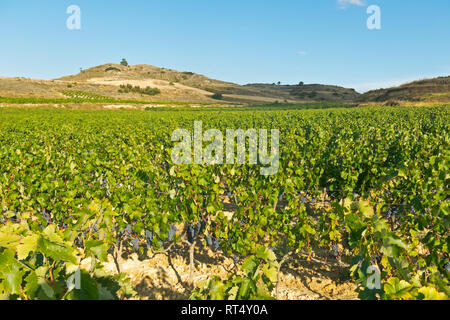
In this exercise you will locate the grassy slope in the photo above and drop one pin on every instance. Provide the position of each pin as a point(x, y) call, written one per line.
point(436, 90)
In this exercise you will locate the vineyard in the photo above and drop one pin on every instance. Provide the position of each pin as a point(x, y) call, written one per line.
point(85, 96)
point(78, 97)
point(367, 186)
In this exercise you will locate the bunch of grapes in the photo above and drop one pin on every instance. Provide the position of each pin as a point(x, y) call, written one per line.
point(200, 226)
point(391, 214)
point(191, 233)
point(216, 243)
point(135, 243)
point(213, 242)
point(148, 238)
point(104, 185)
point(129, 229)
point(335, 250)
point(209, 241)
point(46, 216)
point(79, 240)
point(172, 231)
point(377, 260)
point(94, 226)
point(447, 266)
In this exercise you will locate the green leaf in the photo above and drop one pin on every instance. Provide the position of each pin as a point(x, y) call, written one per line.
point(365, 208)
point(98, 248)
point(270, 272)
point(89, 288)
point(10, 271)
point(250, 265)
point(57, 251)
point(397, 289)
point(216, 290)
point(47, 291)
point(397, 242)
point(31, 284)
point(244, 289)
point(431, 293)
point(8, 240)
point(266, 254)
point(27, 245)
point(104, 293)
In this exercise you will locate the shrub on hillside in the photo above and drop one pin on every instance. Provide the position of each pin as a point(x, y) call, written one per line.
point(112, 69)
point(136, 89)
point(312, 95)
point(392, 103)
point(217, 96)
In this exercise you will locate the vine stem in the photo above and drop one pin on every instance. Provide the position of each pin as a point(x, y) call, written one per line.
point(283, 260)
point(165, 251)
point(191, 259)
point(117, 255)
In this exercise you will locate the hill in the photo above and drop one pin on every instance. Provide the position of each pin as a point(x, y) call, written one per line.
point(147, 75)
point(146, 83)
point(436, 89)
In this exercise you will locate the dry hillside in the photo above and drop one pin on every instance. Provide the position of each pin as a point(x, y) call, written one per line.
point(437, 89)
point(183, 86)
point(116, 74)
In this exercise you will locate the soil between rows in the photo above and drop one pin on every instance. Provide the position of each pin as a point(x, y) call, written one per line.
point(165, 276)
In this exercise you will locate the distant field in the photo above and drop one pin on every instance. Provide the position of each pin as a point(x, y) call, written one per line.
point(95, 99)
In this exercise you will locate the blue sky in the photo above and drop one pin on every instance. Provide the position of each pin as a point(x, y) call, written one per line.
point(243, 41)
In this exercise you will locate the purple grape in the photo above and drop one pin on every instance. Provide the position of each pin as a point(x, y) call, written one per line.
point(335, 250)
point(191, 233)
point(200, 227)
point(135, 243)
point(216, 242)
point(149, 235)
point(447, 266)
point(172, 231)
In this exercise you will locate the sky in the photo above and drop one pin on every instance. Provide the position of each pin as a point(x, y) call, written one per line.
point(242, 41)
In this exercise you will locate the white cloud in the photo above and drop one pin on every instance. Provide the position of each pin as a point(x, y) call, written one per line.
point(303, 53)
point(345, 3)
